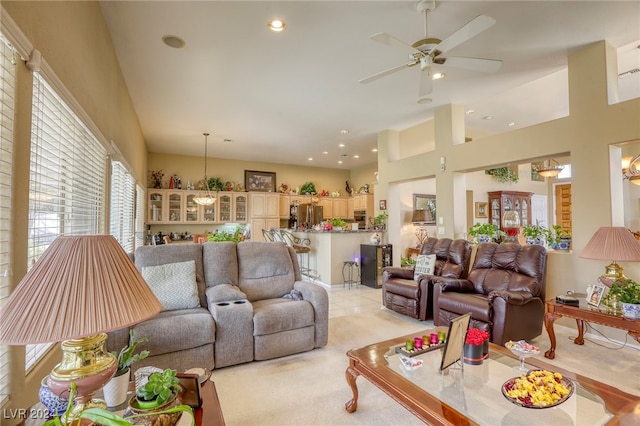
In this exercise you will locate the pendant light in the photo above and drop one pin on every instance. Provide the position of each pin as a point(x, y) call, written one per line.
point(549, 170)
point(202, 199)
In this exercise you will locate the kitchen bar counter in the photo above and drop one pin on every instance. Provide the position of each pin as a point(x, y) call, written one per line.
point(329, 251)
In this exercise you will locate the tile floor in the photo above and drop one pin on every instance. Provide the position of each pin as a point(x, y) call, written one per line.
point(357, 299)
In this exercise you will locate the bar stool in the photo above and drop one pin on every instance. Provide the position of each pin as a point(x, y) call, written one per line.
point(350, 273)
point(302, 248)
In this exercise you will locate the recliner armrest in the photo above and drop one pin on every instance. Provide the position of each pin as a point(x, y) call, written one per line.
point(224, 293)
point(453, 284)
point(394, 272)
point(319, 299)
point(512, 297)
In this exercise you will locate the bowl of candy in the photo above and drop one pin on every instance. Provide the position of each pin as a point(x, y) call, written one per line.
point(522, 349)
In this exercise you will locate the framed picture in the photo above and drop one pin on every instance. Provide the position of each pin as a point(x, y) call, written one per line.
point(454, 345)
point(481, 209)
point(259, 181)
point(190, 389)
point(428, 203)
point(595, 295)
point(383, 204)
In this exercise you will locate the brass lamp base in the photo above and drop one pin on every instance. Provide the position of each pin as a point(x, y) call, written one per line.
point(88, 365)
point(613, 273)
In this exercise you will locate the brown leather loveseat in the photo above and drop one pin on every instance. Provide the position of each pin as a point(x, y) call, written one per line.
point(504, 293)
point(404, 294)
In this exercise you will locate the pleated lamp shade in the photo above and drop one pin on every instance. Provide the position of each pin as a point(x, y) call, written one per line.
point(81, 286)
point(615, 243)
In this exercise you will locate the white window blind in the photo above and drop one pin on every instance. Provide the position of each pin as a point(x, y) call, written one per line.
point(7, 96)
point(67, 179)
point(122, 206)
point(141, 233)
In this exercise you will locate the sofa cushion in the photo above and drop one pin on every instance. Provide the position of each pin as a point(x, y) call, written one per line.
point(276, 315)
point(265, 270)
point(424, 265)
point(403, 287)
point(220, 263)
point(462, 303)
point(173, 331)
point(171, 253)
point(174, 284)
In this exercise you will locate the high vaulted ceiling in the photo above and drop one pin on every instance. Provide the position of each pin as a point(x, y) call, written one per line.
point(285, 97)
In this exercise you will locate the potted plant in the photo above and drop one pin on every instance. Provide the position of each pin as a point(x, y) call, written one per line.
point(627, 292)
point(161, 388)
point(108, 418)
point(535, 234)
point(486, 232)
point(559, 239)
point(378, 221)
point(338, 224)
point(308, 189)
point(115, 391)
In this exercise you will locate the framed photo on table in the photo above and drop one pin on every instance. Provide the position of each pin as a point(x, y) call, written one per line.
point(259, 181)
point(454, 345)
point(595, 295)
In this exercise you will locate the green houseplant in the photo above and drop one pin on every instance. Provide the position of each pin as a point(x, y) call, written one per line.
point(235, 236)
point(535, 234)
point(486, 232)
point(115, 391)
point(558, 239)
point(503, 175)
point(627, 293)
point(308, 188)
point(338, 223)
point(161, 387)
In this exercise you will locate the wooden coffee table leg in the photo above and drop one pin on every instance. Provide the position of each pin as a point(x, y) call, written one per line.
point(549, 319)
point(351, 375)
point(580, 339)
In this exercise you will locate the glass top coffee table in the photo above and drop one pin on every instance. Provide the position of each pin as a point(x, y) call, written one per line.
point(474, 395)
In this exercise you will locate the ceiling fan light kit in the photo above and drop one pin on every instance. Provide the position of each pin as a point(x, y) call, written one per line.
point(430, 51)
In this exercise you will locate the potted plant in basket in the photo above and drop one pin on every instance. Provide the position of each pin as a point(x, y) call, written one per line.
point(115, 391)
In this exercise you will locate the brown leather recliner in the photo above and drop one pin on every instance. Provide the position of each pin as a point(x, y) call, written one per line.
point(505, 292)
point(408, 296)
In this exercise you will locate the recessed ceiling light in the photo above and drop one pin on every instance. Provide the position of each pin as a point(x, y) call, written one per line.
point(339, 161)
point(487, 117)
point(470, 111)
point(511, 124)
point(310, 158)
point(438, 76)
point(173, 41)
point(341, 145)
point(356, 156)
point(325, 152)
point(374, 150)
point(277, 25)
point(344, 132)
point(423, 101)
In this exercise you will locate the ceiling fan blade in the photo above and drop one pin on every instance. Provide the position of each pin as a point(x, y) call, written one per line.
point(426, 84)
point(383, 73)
point(390, 40)
point(470, 30)
point(474, 64)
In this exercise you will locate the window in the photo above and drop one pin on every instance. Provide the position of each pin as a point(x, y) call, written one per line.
point(7, 95)
point(67, 179)
point(122, 206)
point(140, 212)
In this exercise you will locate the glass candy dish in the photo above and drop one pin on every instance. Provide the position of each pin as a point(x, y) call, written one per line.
point(522, 349)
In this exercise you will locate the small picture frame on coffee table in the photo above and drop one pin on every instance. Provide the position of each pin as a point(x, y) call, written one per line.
point(454, 345)
point(595, 295)
point(190, 389)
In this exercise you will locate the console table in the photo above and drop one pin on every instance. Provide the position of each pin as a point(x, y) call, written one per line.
point(583, 313)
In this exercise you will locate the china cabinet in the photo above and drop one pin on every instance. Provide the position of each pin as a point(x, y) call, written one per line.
point(156, 206)
point(501, 202)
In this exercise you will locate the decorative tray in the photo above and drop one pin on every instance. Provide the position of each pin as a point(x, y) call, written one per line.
point(538, 389)
point(403, 350)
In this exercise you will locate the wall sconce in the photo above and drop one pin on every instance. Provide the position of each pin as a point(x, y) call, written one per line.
point(630, 169)
point(548, 169)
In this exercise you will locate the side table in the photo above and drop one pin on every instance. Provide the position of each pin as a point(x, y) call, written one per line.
point(581, 314)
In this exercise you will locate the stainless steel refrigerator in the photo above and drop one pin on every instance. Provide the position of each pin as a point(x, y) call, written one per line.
point(309, 214)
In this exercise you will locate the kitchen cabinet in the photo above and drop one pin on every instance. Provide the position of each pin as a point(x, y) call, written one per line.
point(240, 207)
point(285, 206)
point(501, 202)
point(265, 213)
point(175, 206)
point(363, 202)
point(327, 208)
point(340, 208)
point(156, 206)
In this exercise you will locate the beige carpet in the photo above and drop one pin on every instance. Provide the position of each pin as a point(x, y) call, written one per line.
point(310, 388)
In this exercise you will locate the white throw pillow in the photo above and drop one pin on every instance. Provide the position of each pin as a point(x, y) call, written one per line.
point(425, 264)
point(174, 284)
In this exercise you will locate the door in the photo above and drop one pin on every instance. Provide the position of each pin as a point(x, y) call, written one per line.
point(563, 206)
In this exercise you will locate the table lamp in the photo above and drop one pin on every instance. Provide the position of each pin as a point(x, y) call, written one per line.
point(614, 243)
point(81, 288)
point(421, 217)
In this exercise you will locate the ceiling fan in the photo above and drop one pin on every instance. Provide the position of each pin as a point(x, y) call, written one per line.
point(431, 51)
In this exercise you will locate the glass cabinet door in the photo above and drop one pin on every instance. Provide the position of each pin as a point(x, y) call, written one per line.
point(155, 212)
point(524, 213)
point(191, 209)
point(240, 208)
point(175, 207)
point(225, 208)
point(495, 212)
point(209, 213)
